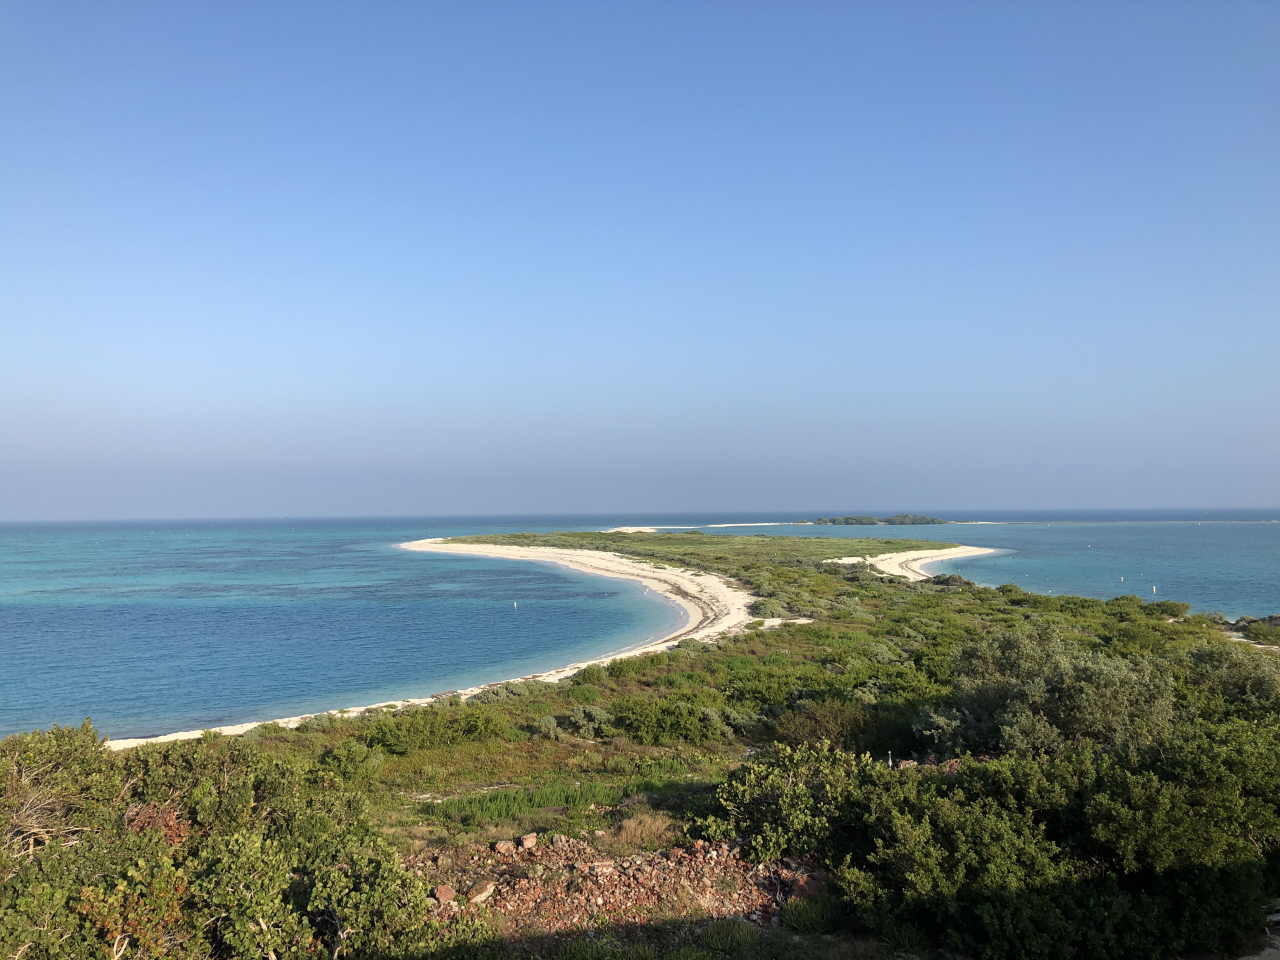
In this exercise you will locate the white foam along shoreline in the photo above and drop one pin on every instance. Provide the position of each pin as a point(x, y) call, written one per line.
point(710, 607)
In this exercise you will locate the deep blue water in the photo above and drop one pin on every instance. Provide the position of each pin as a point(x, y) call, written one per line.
point(154, 627)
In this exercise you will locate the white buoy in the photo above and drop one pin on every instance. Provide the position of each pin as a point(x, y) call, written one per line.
point(1153, 589)
point(513, 604)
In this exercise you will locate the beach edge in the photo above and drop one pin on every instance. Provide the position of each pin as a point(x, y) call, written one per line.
point(711, 606)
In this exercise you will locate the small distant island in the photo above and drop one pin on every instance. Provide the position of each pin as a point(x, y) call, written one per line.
point(898, 519)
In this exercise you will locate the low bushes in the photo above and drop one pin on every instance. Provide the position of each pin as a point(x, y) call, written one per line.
point(667, 719)
point(1149, 852)
point(421, 727)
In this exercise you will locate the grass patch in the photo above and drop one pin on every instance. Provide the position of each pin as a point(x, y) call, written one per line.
point(506, 804)
point(824, 913)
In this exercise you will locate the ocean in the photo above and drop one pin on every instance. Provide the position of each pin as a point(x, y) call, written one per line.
point(153, 627)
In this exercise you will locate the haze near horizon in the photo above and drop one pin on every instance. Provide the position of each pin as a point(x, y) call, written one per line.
point(500, 258)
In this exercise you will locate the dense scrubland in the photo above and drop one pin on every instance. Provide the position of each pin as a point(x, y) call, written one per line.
point(984, 772)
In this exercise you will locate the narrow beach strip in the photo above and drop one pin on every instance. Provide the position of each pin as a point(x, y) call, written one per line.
point(710, 605)
point(911, 565)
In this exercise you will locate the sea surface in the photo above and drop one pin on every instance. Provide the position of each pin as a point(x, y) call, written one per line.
point(153, 627)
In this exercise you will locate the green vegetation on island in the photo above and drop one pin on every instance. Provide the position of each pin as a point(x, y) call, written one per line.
point(898, 519)
point(987, 772)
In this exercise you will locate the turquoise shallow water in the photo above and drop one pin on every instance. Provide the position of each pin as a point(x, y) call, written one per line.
point(1231, 566)
point(154, 627)
point(160, 627)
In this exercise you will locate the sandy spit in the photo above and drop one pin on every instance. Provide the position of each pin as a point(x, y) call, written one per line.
point(911, 565)
point(711, 607)
point(708, 526)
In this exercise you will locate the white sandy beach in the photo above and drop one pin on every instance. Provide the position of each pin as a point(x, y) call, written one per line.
point(710, 605)
point(911, 564)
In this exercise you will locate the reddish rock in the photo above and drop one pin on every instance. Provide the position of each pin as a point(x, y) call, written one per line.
point(504, 847)
point(811, 885)
point(445, 893)
point(481, 892)
point(528, 841)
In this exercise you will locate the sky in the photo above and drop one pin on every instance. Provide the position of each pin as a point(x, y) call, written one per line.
point(308, 259)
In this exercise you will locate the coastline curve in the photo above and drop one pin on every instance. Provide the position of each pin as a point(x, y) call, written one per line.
point(911, 564)
point(710, 606)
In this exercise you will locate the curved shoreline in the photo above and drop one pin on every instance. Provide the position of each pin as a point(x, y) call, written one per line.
point(711, 604)
point(911, 564)
point(710, 607)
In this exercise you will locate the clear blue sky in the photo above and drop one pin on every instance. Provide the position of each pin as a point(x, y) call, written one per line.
point(319, 258)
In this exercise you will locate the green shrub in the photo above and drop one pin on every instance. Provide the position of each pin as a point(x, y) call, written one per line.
point(353, 761)
point(584, 693)
point(823, 913)
point(591, 722)
point(547, 728)
point(667, 719)
point(1151, 851)
point(734, 937)
point(593, 673)
point(198, 848)
point(422, 727)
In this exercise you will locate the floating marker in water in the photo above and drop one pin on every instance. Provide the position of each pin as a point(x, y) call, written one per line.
point(1153, 589)
point(513, 604)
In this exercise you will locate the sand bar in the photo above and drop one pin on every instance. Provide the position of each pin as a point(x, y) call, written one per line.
point(911, 564)
point(711, 606)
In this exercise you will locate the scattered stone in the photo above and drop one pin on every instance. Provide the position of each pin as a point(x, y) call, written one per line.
point(528, 841)
point(504, 847)
point(601, 833)
point(555, 887)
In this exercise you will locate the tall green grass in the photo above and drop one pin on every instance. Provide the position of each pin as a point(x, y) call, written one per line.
point(504, 804)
